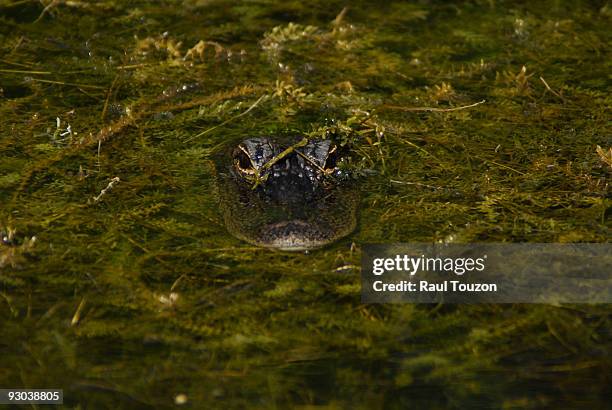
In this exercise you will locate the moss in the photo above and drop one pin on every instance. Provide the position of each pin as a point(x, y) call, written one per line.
point(256, 328)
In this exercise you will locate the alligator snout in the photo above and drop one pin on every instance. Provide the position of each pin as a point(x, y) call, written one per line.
point(289, 195)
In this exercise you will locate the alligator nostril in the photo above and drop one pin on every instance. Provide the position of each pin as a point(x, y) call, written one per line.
point(292, 235)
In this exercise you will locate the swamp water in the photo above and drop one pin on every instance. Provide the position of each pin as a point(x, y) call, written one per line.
point(468, 121)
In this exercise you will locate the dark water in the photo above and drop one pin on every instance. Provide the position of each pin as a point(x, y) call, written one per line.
point(130, 298)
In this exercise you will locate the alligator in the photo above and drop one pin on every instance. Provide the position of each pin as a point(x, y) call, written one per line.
point(287, 193)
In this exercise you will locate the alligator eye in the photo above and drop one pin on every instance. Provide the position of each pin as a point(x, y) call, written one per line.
point(242, 161)
point(332, 159)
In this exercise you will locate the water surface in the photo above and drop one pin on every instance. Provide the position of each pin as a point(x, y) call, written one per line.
point(469, 121)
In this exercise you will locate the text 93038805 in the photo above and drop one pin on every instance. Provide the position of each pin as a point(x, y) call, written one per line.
point(31, 396)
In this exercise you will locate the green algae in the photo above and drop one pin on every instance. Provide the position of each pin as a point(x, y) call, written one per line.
point(130, 299)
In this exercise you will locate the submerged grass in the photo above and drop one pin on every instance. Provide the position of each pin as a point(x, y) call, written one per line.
point(134, 296)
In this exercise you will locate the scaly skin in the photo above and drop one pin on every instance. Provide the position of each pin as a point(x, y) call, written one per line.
point(286, 195)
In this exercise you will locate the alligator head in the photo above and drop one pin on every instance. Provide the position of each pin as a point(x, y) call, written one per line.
point(288, 194)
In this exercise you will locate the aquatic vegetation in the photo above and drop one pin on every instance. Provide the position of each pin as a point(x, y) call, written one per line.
point(13, 248)
point(467, 121)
